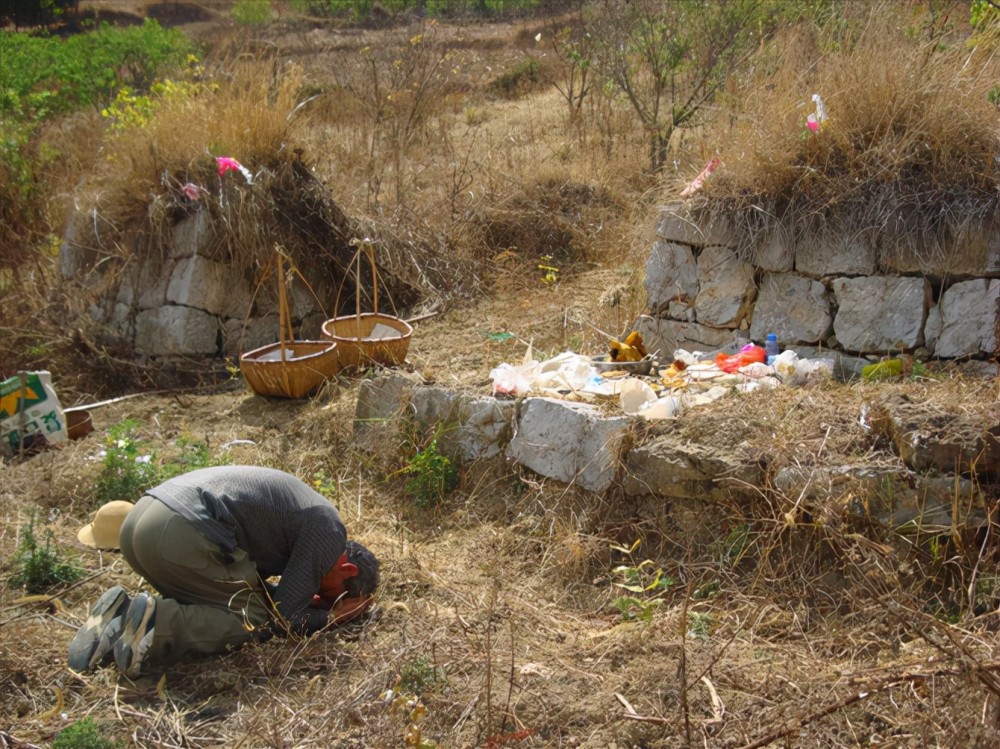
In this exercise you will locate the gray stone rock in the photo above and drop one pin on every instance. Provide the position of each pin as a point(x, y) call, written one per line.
point(725, 288)
point(776, 251)
point(901, 500)
point(570, 442)
point(678, 223)
point(241, 336)
point(879, 314)
point(486, 427)
point(932, 327)
point(176, 330)
point(468, 427)
point(669, 467)
point(795, 308)
point(671, 278)
point(975, 252)
point(75, 256)
point(194, 235)
point(666, 336)
point(381, 404)
point(835, 254)
point(143, 283)
point(209, 286)
point(968, 317)
point(952, 443)
point(846, 368)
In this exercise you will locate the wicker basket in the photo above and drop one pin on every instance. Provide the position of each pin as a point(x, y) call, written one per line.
point(366, 338)
point(289, 368)
point(357, 348)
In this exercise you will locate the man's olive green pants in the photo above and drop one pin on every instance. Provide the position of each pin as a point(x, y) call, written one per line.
point(210, 600)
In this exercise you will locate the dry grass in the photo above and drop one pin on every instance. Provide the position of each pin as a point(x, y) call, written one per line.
point(907, 154)
point(497, 607)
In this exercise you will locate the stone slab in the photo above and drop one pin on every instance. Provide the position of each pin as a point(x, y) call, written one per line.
point(880, 314)
point(570, 442)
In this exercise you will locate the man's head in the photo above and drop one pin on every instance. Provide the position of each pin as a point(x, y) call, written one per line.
point(347, 589)
point(365, 581)
point(354, 575)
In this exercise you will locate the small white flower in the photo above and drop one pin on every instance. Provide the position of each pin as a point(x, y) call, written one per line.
point(143, 458)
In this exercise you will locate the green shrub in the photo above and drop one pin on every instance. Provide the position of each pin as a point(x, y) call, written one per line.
point(48, 75)
point(126, 472)
point(252, 12)
point(42, 77)
point(644, 580)
point(433, 476)
point(419, 675)
point(85, 734)
point(193, 454)
point(519, 78)
point(37, 567)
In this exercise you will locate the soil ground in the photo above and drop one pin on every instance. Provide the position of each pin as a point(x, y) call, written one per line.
point(498, 606)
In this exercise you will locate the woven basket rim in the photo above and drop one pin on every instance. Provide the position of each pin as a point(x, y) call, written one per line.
point(397, 322)
point(248, 356)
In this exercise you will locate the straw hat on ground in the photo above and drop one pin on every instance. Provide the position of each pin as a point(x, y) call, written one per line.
point(103, 532)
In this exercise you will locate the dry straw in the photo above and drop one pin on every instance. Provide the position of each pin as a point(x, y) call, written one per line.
point(907, 152)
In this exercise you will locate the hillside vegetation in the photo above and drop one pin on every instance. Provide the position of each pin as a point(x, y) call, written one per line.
point(512, 156)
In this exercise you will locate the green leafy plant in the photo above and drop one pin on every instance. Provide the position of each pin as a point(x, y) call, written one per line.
point(126, 472)
point(432, 476)
point(252, 12)
point(519, 78)
point(38, 566)
point(192, 454)
point(85, 734)
point(420, 675)
point(699, 624)
point(324, 483)
point(645, 580)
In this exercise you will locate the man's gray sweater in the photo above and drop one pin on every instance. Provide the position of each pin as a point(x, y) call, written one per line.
point(284, 526)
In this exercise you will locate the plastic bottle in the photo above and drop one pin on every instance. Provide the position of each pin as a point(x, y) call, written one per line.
point(771, 347)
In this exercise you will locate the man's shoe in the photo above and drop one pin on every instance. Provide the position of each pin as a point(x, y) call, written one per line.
point(133, 645)
point(94, 641)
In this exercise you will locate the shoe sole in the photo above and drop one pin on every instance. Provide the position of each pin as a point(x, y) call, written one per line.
point(84, 646)
point(136, 621)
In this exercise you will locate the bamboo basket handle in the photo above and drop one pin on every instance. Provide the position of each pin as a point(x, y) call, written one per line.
point(366, 246)
point(371, 260)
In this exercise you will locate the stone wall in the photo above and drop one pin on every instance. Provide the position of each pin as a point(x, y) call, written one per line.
point(584, 446)
point(837, 292)
point(187, 300)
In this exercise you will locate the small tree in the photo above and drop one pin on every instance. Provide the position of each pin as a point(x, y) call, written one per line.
point(573, 47)
point(398, 86)
point(671, 59)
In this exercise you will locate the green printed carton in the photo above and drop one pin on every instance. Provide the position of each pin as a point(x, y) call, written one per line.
point(30, 413)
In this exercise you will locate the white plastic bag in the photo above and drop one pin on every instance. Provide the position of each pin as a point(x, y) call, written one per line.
point(639, 399)
point(508, 380)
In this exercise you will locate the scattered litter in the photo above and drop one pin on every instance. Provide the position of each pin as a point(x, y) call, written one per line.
point(234, 443)
point(883, 370)
point(498, 337)
point(696, 184)
point(227, 164)
point(645, 389)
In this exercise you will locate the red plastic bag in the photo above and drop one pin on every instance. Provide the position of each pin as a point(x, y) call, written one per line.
point(748, 355)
